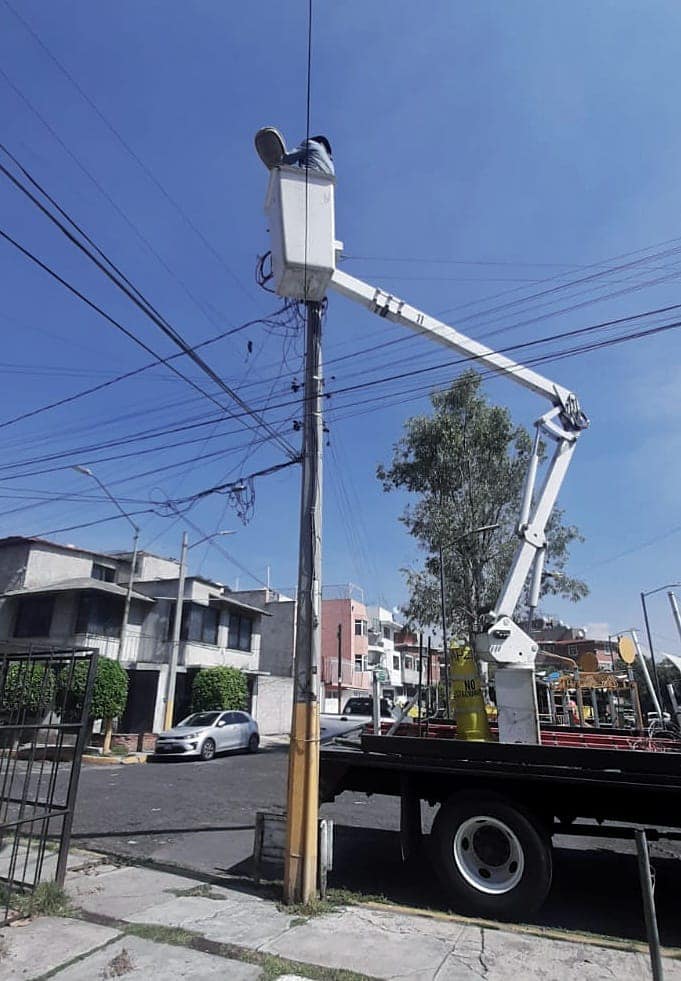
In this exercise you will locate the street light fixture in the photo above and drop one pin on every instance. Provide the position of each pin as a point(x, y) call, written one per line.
point(650, 592)
point(128, 595)
point(459, 538)
point(177, 623)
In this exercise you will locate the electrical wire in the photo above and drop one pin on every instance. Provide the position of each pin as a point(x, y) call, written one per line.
point(126, 146)
point(143, 304)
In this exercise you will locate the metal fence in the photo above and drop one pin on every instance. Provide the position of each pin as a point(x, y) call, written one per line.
point(44, 708)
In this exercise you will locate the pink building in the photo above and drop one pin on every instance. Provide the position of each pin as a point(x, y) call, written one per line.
point(348, 616)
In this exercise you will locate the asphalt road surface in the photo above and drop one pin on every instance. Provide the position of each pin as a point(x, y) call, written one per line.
point(201, 816)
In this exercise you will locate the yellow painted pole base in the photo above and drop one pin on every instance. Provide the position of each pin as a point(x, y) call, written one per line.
point(300, 864)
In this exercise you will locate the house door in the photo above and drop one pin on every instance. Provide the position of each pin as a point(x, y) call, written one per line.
point(139, 712)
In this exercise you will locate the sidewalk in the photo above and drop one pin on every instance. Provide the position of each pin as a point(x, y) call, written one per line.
point(137, 923)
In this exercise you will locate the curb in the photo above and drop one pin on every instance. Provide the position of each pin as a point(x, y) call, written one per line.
point(132, 758)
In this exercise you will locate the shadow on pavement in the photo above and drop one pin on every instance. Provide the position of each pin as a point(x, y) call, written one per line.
point(594, 891)
point(194, 829)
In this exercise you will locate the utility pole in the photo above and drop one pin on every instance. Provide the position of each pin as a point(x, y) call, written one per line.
point(175, 643)
point(300, 868)
point(128, 596)
point(339, 634)
point(445, 652)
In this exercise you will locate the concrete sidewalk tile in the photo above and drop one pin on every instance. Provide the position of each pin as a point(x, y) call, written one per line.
point(384, 945)
point(123, 892)
point(134, 958)
point(236, 918)
point(504, 956)
point(45, 943)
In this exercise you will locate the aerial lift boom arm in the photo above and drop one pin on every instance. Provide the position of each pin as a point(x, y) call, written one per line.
point(504, 642)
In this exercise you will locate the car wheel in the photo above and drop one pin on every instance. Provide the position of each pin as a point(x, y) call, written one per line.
point(208, 750)
point(493, 857)
point(253, 743)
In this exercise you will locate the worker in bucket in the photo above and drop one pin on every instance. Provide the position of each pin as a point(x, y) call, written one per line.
point(314, 153)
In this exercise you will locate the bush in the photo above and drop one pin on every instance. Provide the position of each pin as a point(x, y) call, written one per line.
point(219, 688)
point(110, 692)
point(28, 686)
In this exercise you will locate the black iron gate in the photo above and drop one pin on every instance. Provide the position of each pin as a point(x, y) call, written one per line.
point(44, 709)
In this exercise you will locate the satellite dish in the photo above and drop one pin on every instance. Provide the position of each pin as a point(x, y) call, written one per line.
point(627, 650)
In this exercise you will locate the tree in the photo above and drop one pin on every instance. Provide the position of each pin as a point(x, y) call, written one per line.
point(466, 465)
point(219, 688)
point(29, 687)
point(109, 693)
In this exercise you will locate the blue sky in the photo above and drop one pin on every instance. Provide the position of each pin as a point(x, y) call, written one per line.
point(514, 143)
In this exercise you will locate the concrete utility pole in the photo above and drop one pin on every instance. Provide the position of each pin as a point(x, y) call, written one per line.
point(300, 870)
point(177, 624)
point(175, 644)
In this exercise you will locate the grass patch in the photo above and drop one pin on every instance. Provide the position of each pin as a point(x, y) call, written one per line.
point(47, 899)
point(204, 890)
point(120, 751)
point(273, 967)
point(335, 899)
point(161, 934)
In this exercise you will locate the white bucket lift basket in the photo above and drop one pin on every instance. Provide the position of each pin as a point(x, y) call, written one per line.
point(302, 234)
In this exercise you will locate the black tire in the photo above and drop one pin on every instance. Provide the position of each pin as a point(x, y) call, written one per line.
point(208, 750)
point(253, 743)
point(493, 857)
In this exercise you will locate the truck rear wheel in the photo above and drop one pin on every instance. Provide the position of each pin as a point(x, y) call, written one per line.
point(493, 858)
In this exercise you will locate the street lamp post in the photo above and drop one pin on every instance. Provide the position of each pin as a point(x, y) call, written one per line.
point(443, 606)
point(177, 624)
point(650, 592)
point(135, 541)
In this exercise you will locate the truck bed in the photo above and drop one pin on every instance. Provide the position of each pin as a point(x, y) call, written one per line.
point(563, 782)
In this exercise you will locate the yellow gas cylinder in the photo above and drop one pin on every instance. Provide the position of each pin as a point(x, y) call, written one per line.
point(469, 705)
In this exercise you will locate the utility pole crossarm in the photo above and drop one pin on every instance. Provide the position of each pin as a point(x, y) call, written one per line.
point(396, 310)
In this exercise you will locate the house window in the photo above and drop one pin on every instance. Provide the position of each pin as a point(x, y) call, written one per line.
point(103, 572)
point(359, 662)
point(408, 663)
point(240, 632)
point(99, 614)
point(386, 633)
point(396, 662)
point(34, 616)
point(199, 624)
point(572, 650)
point(360, 628)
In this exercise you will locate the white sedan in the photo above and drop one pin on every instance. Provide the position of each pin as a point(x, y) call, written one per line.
point(204, 734)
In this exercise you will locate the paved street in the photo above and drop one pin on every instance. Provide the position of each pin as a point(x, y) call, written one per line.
point(201, 817)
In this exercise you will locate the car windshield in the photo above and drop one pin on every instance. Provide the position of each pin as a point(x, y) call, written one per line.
point(364, 706)
point(199, 719)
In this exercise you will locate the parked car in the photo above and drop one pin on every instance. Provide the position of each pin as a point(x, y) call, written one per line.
point(203, 734)
point(357, 712)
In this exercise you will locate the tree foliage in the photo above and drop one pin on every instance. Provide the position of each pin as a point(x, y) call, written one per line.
point(219, 688)
point(466, 464)
point(27, 686)
point(109, 693)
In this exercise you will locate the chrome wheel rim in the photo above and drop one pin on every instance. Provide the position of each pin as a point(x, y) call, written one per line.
point(488, 854)
point(208, 751)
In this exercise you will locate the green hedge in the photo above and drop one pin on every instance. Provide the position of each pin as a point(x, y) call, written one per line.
point(27, 686)
point(110, 692)
point(219, 688)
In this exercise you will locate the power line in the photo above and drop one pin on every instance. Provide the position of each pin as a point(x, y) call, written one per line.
point(144, 305)
point(290, 451)
point(126, 146)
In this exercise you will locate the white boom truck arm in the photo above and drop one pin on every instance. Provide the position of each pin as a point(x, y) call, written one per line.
point(300, 208)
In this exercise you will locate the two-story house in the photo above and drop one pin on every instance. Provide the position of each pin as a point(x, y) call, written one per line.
point(61, 595)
